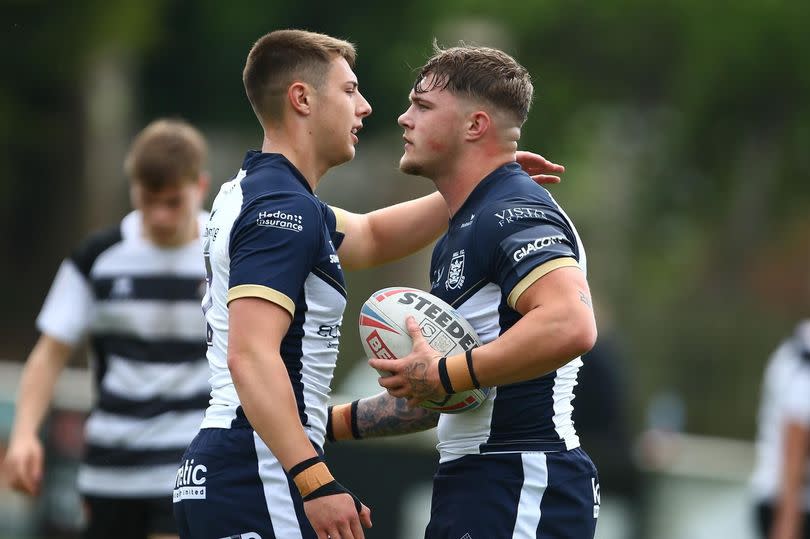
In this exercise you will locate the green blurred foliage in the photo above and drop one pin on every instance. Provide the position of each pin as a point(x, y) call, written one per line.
point(684, 124)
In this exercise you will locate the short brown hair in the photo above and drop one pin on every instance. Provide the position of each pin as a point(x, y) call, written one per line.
point(279, 58)
point(165, 153)
point(481, 73)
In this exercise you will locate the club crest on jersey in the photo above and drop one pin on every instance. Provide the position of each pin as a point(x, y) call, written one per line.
point(455, 273)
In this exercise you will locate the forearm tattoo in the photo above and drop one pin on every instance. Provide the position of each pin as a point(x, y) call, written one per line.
point(417, 376)
point(384, 415)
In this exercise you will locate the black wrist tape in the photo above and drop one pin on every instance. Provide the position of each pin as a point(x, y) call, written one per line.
point(331, 489)
point(303, 465)
point(468, 355)
point(444, 377)
point(330, 433)
point(355, 430)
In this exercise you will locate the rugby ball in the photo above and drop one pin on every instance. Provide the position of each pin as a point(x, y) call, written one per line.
point(384, 335)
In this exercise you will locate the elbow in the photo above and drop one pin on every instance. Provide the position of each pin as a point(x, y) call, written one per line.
point(582, 336)
point(236, 364)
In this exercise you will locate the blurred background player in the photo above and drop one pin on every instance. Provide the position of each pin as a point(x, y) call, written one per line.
point(781, 479)
point(134, 290)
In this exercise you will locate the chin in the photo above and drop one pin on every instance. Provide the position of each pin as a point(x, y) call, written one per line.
point(409, 167)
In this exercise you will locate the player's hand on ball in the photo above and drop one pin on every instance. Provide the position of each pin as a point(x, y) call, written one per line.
point(415, 377)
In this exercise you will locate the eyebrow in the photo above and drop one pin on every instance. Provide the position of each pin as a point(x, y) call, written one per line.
point(353, 84)
point(413, 98)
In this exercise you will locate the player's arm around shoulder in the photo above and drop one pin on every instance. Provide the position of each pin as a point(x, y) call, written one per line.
point(390, 233)
point(25, 456)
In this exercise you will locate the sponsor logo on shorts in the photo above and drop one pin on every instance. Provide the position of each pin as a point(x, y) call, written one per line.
point(597, 497)
point(536, 245)
point(280, 219)
point(248, 535)
point(189, 483)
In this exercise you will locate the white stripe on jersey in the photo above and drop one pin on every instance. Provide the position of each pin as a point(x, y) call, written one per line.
point(276, 493)
point(137, 380)
point(127, 481)
point(169, 430)
point(563, 394)
point(151, 320)
point(478, 311)
point(462, 434)
point(320, 357)
point(71, 292)
point(535, 482)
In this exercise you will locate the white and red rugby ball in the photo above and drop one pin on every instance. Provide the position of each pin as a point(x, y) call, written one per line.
point(384, 335)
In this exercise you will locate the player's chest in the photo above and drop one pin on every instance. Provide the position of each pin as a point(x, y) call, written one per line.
point(457, 265)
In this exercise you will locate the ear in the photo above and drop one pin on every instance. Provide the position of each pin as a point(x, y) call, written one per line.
point(298, 94)
point(478, 123)
point(203, 183)
point(135, 195)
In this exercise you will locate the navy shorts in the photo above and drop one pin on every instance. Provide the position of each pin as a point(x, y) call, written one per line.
point(229, 486)
point(536, 495)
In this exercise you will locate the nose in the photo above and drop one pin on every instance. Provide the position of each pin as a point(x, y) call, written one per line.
point(403, 120)
point(364, 109)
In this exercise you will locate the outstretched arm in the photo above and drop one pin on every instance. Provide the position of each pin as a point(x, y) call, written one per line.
point(390, 233)
point(377, 416)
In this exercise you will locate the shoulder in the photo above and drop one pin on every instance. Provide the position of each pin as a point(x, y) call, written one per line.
point(94, 245)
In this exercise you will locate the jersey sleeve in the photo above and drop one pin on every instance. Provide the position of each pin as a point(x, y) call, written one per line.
point(274, 244)
point(68, 308)
point(531, 243)
point(797, 399)
point(336, 223)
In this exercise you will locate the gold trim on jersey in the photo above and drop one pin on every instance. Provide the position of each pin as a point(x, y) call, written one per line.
point(264, 292)
point(340, 219)
point(535, 274)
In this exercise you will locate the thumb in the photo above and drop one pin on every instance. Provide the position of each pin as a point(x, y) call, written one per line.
point(414, 329)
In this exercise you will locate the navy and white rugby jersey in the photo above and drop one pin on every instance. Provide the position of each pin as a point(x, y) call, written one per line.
point(507, 234)
point(270, 237)
point(140, 305)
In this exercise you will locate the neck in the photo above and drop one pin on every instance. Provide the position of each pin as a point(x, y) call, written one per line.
point(457, 183)
point(295, 146)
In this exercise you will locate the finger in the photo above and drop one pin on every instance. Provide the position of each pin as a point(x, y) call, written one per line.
point(346, 530)
point(356, 528)
point(414, 329)
point(365, 517)
point(546, 178)
point(36, 474)
point(389, 365)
